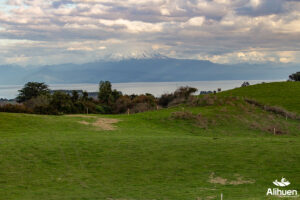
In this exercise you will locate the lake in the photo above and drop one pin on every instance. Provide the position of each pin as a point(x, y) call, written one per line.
point(155, 88)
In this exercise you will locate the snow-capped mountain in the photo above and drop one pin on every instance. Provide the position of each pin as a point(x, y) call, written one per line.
point(144, 68)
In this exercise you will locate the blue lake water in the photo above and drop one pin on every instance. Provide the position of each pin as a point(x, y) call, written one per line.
point(155, 88)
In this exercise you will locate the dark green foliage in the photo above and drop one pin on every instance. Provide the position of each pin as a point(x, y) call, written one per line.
point(105, 92)
point(179, 96)
point(245, 84)
point(15, 108)
point(37, 98)
point(185, 92)
point(85, 96)
point(75, 96)
point(61, 103)
point(295, 76)
point(165, 99)
point(108, 97)
point(31, 90)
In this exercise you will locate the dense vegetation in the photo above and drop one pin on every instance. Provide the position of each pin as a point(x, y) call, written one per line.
point(37, 98)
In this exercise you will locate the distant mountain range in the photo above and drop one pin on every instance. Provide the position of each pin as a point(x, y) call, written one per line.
point(156, 69)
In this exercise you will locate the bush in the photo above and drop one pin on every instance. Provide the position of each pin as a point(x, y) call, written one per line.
point(245, 84)
point(37, 102)
point(274, 109)
point(181, 95)
point(141, 107)
point(165, 99)
point(15, 108)
point(62, 103)
point(122, 104)
point(295, 77)
point(185, 92)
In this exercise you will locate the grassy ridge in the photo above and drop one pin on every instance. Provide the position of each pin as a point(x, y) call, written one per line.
point(149, 156)
point(284, 94)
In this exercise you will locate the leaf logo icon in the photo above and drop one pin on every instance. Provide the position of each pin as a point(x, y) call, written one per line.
point(282, 183)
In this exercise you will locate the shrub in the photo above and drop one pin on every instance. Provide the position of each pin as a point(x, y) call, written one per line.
point(165, 99)
point(15, 108)
point(144, 99)
point(245, 84)
point(295, 77)
point(274, 109)
point(62, 103)
point(185, 92)
point(181, 95)
point(122, 104)
point(39, 101)
point(141, 107)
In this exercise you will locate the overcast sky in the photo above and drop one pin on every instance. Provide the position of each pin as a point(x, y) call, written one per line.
point(38, 32)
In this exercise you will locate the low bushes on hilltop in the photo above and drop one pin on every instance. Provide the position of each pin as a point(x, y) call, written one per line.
point(181, 95)
point(274, 109)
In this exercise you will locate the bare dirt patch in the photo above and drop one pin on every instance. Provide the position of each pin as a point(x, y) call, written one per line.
point(84, 123)
point(103, 123)
point(223, 181)
point(106, 124)
point(217, 180)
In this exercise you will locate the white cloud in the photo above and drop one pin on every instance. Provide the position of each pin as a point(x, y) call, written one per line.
point(219, 30)
point(196, 21)
point(134, 26)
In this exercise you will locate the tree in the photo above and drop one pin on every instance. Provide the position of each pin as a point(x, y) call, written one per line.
point(245, 84)
point(106, 95)
point(85, 96)
point(75, 96)
point(31, 90)
point(185, 91)
point(61, 103)
point(295, 77)
point(105, 92)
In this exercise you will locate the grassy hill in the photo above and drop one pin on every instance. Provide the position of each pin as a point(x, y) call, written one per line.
point(181, 153)
point(284, 94)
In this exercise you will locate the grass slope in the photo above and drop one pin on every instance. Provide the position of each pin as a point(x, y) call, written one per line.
point(284, 94)
point(149, 156)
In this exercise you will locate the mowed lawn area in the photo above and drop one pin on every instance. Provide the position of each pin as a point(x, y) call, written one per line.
point(147, 156)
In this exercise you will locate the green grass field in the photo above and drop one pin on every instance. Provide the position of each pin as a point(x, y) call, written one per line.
point(284, 94)
point(152, 155)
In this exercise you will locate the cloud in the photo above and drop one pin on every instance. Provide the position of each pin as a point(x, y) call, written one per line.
point(57, 31)
point(196, 21)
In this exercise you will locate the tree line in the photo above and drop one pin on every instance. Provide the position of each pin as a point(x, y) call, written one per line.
point(37, 98)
